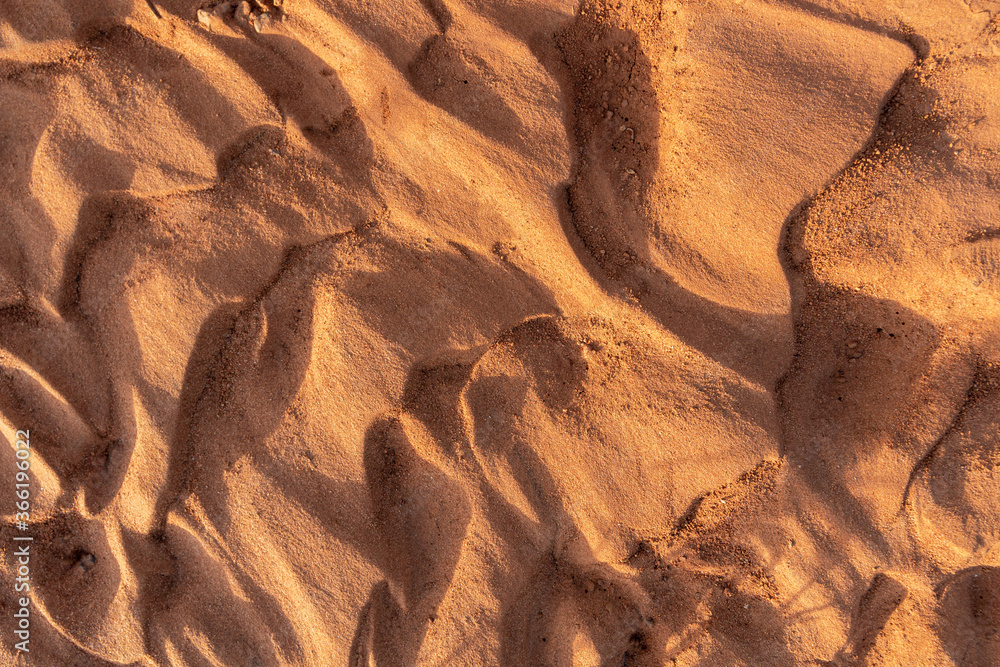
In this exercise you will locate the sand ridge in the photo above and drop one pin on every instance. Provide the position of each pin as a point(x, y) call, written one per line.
point(536, 332)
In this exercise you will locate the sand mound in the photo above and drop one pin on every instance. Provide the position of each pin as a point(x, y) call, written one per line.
point(502, 333)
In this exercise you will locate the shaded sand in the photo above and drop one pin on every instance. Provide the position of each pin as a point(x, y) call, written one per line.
point(429, 332)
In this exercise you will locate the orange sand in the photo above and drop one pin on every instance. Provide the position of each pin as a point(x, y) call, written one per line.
point(502, 332)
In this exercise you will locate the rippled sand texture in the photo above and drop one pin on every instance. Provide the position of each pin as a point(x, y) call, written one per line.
point(503, 332)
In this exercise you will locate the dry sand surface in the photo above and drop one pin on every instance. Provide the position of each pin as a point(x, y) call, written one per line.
point(383, 333)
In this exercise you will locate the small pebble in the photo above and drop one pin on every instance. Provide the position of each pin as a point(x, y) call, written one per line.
point(243, 12)
point(261, 21)
point(86, 561)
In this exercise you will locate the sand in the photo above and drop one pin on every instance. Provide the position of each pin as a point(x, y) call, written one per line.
point(501, 332)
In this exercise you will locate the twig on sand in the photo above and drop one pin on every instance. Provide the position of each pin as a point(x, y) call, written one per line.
point(156, 11)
